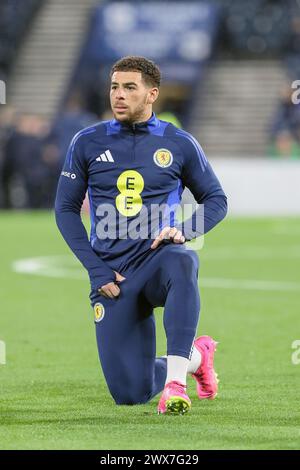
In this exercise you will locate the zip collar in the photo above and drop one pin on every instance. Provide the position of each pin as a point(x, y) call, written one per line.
point(149, 126)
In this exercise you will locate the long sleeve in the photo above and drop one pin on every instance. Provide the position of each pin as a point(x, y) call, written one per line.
point(71, 192)
point(200, 178)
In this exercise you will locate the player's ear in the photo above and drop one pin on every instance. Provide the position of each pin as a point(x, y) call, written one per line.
point(152, 95)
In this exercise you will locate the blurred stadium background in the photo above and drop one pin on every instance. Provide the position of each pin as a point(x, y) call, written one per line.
point(228, 68)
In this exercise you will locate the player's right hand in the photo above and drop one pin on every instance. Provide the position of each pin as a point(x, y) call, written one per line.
point(119, 277)
point(111, 290)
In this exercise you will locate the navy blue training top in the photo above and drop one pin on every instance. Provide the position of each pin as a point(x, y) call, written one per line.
point(130, 169)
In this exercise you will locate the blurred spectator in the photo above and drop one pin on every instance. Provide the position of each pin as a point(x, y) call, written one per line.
point(292, 48)
point(170, 117)
point(30, 165)
point(285, 146)
point(7, 122)
point(293, 39)
point(70, 121)
point(285, 129)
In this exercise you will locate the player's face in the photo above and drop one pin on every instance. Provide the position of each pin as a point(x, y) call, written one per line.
point(130, 98)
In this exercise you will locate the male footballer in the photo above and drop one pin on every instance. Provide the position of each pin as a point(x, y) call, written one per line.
point(129, 165)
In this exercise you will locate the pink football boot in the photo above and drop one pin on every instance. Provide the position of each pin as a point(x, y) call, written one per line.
point(174, 399)
point(205, 376)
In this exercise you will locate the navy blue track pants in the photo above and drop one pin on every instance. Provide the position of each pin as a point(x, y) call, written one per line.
point(125, 326)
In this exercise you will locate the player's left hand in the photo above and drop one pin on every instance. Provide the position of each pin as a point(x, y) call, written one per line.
point(168, 233)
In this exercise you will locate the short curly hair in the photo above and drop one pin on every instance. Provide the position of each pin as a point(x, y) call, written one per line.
point(149, 70)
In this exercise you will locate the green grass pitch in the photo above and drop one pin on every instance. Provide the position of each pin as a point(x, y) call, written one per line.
point(53, 395)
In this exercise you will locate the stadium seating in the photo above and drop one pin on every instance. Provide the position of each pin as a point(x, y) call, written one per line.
point(182, 56)
point(184, 44)
point(15, 17)
point(256, 27)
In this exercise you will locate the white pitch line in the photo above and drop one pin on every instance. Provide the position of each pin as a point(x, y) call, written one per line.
point(50, 266)
point(57, 267)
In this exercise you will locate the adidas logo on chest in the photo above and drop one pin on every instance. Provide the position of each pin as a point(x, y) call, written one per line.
point(105, 157)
